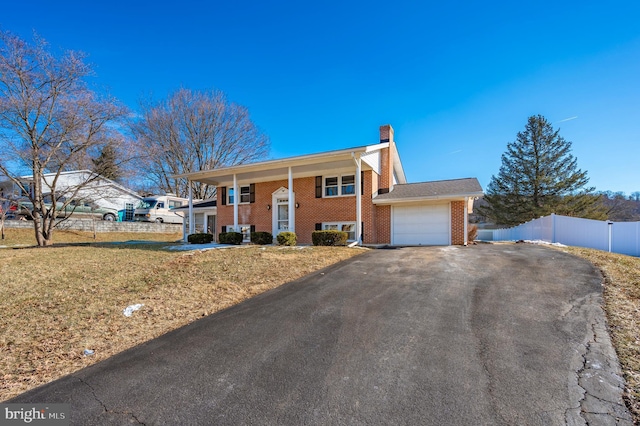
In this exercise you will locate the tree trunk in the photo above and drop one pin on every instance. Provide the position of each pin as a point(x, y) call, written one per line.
point(44, 230)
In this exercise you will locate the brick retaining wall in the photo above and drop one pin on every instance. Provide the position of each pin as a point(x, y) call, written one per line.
point(102, 226)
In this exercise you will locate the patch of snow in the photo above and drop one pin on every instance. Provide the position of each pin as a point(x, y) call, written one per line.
point(546, 243)
point(202, 247)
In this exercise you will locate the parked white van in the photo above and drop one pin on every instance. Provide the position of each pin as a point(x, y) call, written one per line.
point(159, 209)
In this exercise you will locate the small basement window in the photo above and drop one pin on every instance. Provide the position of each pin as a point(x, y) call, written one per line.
point(348, 227)
point(245, 230)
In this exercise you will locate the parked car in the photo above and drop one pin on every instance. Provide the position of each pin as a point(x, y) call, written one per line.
point(77, 208)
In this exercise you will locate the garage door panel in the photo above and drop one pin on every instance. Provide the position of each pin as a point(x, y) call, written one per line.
point(421, 225)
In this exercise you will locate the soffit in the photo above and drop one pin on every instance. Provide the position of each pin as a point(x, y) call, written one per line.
point(304, 166)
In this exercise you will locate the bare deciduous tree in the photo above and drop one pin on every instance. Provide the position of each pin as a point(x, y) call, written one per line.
point(50, 122)
point(5, 205)
point(192, 131)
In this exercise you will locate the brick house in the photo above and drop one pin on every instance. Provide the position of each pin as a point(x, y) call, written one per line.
point(361, 190)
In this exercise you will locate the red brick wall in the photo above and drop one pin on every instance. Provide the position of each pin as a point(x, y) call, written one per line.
point(312, 210)
point(383, 224)
point(457, 222)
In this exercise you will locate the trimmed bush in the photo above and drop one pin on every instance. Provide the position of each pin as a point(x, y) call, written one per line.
point(230, 238)
point(329, 238)
point(287, 239)
point(261, 238)
point(200, 238)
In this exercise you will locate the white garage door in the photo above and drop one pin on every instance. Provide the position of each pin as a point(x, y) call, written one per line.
point(421, 225)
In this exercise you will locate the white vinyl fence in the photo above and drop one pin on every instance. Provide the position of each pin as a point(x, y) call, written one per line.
point(617, 237)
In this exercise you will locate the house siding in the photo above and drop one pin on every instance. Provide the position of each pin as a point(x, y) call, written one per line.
point(312, 210)
point(376, 219)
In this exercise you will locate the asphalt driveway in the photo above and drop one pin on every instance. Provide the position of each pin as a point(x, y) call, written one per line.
point(488, 334)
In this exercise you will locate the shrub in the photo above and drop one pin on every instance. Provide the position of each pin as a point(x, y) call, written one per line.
point(329, 238)
point(261, 238)
point(286, 239)
point(230, 238)
point(472, 233)
point(200, 238)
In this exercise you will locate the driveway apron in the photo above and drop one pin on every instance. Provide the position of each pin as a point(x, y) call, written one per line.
point(480, 335)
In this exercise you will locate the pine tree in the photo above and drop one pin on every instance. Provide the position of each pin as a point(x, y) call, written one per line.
point(106, 164)
point(539, 176)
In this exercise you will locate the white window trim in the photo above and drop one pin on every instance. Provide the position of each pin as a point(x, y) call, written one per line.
point(230, 191)
point(340, 194)
point(339, 225)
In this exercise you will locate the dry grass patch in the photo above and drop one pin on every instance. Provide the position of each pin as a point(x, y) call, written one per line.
point(25, 237)
point(622, 305)
point(58, 301)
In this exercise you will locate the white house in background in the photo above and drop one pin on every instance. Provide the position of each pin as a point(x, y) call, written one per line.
point(82, 185)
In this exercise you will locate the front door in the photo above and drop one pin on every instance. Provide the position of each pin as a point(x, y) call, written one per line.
point(282, 215)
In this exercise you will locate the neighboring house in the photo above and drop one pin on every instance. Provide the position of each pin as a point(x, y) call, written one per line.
point(204, 216)
point(362, 191)
point(86, 186)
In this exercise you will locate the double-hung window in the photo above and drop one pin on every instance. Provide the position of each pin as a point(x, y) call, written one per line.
point(245, 194)
point(335, 186)
point(348, 185)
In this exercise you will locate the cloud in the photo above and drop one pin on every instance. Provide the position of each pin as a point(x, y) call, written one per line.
point(455, 152)
point(567, 119)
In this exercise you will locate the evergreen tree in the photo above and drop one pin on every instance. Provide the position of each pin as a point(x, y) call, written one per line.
point(106, 164)
point(539, 176)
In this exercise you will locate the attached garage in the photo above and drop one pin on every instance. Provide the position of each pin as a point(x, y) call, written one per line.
point(428, 213)
point(425, 224)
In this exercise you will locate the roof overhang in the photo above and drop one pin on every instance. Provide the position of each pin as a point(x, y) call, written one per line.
point(272, 170)
point(431, 198)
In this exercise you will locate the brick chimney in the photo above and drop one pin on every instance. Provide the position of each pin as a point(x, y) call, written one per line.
point(386, 159)
point(386, 133)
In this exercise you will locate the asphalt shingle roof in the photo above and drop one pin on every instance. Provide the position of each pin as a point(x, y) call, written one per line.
point(440, 188)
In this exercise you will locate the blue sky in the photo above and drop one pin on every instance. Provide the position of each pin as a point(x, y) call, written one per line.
point(457, 81)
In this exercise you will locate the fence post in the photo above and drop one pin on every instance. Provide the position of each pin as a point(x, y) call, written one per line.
point(553, 228)
point(610, 225)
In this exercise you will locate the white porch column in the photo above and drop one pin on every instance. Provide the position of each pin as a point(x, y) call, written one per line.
point(292, 206)
point(192, 225)
point(236, 199)
point(466, 219)
point(358, 198)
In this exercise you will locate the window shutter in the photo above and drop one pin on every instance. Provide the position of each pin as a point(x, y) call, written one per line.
point(318, 186)
point(361, 231)
point(318, 227)
point(252, 194)
point(224, 229)
point(223, 196)
point(361, 183)
point(253, 229)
